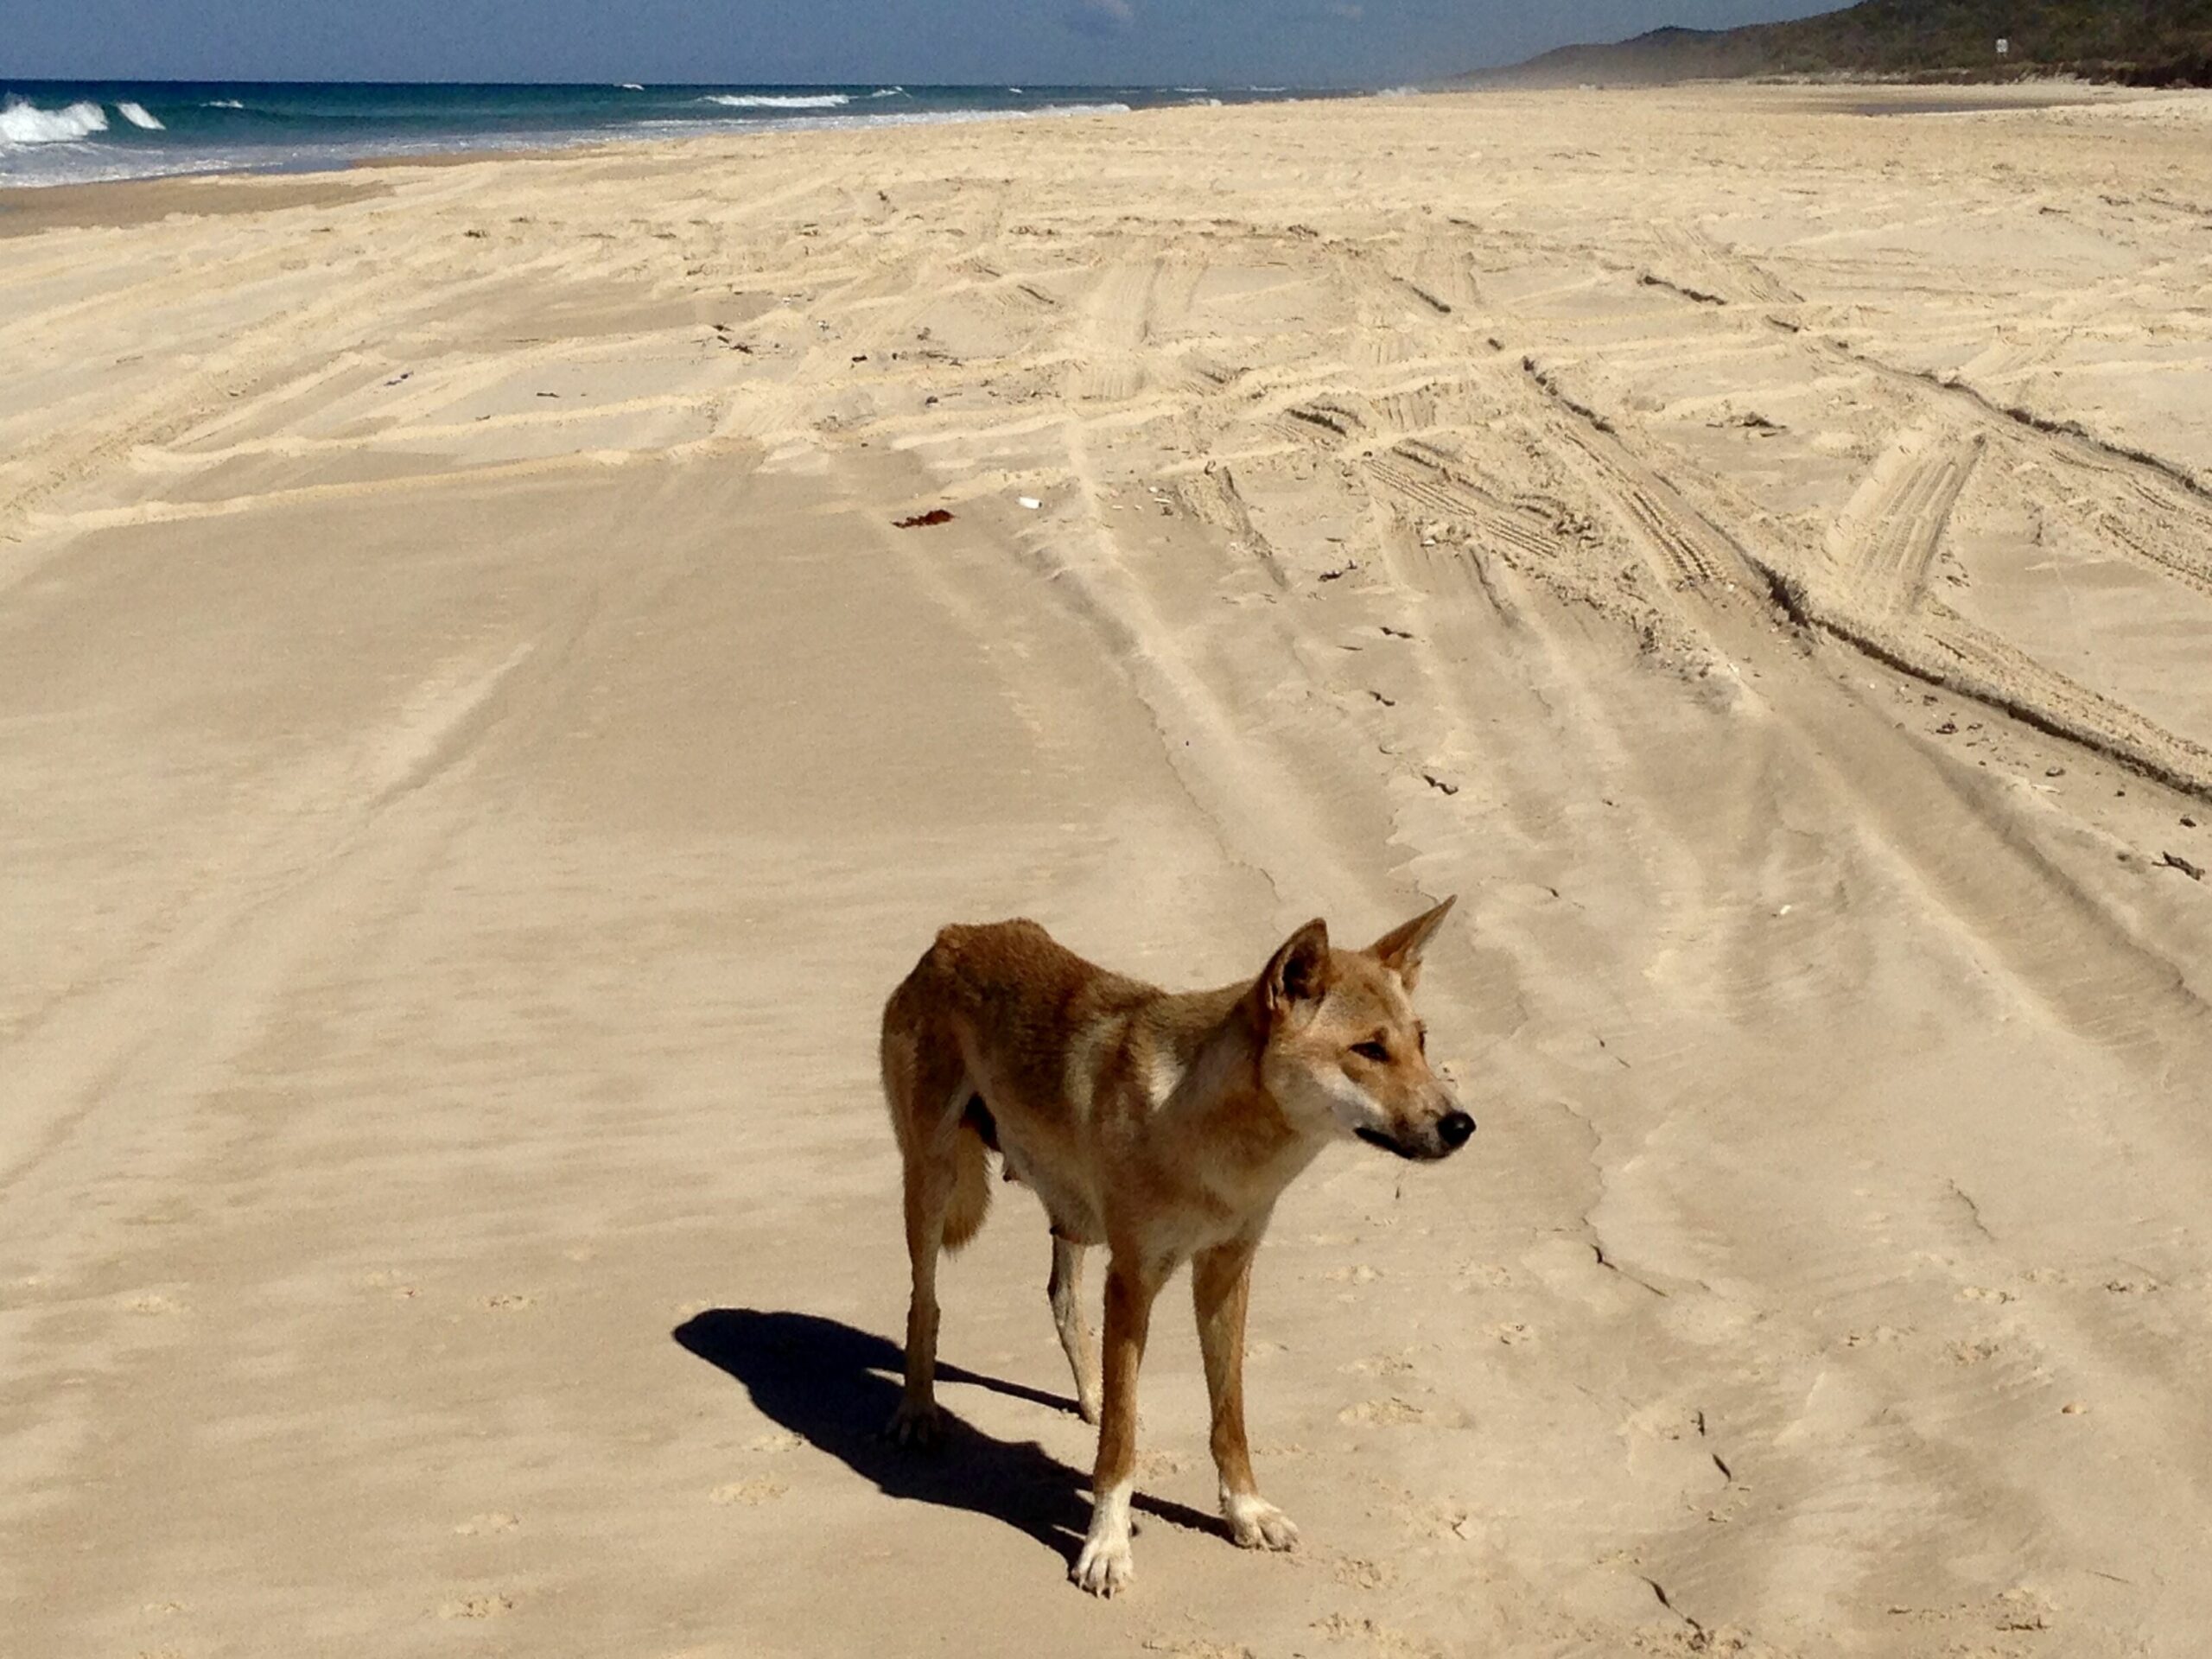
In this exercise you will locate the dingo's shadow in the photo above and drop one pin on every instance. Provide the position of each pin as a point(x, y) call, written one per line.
point(836, 1386)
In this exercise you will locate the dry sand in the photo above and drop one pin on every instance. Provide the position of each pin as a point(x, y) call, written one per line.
point(476, 753)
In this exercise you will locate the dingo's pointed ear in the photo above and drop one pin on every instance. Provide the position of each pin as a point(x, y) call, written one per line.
point(1400, 949)
point(1297, 976)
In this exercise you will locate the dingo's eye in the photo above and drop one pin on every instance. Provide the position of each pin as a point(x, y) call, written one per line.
point(1374, 1052)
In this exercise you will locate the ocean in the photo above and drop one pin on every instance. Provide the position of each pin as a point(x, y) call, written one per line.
point(65, 132)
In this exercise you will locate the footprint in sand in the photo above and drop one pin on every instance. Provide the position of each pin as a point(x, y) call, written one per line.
point(1193, 1647)
point(1389, 1412)
point(1383, 1365)
point(1444, 1520)
point(782, 1441)
point(1362, 1574)
point(490, 1605)
point(2021, 1608)
point(510, 1302)
point(761, 1489)
point(478, 1525)
point(1881, 1333)
point(1379, 1638)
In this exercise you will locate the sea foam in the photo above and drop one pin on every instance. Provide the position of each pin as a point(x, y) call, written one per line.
point(138, 115)
point(24, 123)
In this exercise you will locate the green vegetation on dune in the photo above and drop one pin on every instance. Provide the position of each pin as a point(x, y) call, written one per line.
point(2157, 41)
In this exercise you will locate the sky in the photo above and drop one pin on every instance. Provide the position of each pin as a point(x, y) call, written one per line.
point(1138, 42)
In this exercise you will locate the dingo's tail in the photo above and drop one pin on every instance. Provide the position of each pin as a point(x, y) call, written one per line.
point(971, 1188)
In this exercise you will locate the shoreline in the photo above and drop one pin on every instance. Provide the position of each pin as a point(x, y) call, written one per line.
point(120, 204)
point(2022, 93)
point(851, 115)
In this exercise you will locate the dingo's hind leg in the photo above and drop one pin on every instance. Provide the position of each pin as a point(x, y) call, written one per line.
point(947, 1188)
point(929, 1193)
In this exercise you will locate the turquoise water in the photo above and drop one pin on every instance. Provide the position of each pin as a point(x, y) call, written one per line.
point(57, 132)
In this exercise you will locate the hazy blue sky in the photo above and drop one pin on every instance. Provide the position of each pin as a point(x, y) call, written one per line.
point(1265, 42)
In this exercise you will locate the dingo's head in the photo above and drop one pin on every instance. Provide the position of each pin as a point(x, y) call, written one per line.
point(1343, 1051)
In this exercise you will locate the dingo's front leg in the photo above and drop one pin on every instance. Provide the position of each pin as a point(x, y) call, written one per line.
point(1104, 1565)
point(1065, 1291)
point(1221, 1284)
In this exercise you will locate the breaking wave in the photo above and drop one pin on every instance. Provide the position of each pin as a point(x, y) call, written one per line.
point(138, 115)
point(779, 101)
point(24, 123)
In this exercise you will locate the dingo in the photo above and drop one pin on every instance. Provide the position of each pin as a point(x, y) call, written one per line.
point(1164, 1125)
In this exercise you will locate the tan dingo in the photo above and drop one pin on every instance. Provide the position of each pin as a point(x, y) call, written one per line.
point(1164, 1125)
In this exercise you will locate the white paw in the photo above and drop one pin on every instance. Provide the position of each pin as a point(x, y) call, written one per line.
point(1255, 1523)
point(1104, 1566)
point(915, 1424)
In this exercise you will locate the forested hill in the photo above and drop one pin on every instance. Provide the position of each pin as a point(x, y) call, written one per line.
point(2145, 42)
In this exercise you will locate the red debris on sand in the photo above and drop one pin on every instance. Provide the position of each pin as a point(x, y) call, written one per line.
point(934, 516)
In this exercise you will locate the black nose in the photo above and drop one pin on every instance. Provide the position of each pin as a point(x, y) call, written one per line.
point(1453, 1128)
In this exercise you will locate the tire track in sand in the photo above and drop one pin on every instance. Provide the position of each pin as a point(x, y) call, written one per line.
point(1880, 606)
point(1887, 537)
point(1683, 548)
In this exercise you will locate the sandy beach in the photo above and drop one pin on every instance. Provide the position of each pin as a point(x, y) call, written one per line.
point(476, 752)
